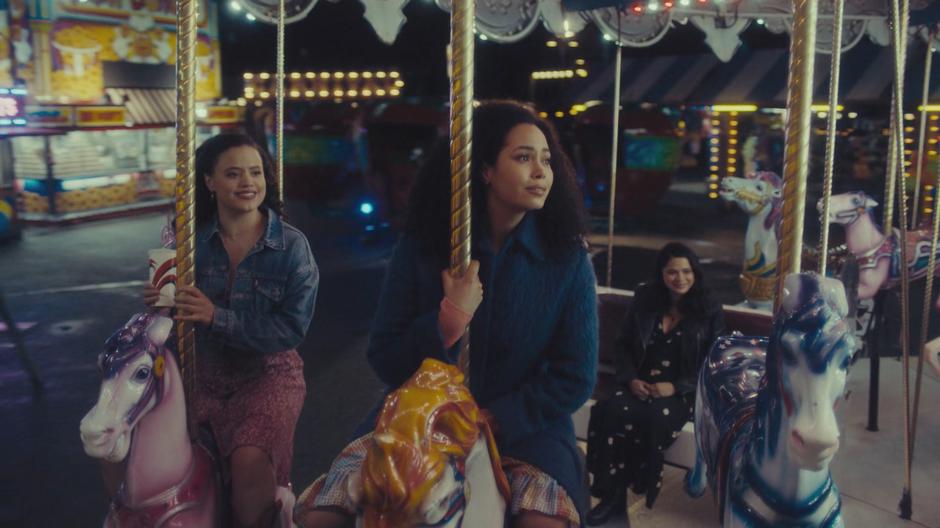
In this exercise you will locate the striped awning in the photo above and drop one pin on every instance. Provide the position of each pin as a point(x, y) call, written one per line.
point(759, 77)
point(146, 106)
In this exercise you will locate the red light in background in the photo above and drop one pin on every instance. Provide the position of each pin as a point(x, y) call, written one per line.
point(637, 8)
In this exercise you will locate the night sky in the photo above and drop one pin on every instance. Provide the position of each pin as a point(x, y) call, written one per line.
point(336, 37)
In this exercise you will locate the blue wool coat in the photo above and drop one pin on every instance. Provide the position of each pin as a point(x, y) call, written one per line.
point(534, 340)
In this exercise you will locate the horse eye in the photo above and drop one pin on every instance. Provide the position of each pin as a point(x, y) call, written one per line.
point(142, 374)
point(856, 201)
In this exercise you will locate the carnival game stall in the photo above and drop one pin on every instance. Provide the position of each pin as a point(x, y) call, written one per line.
point(648, 158)
point(100, 76)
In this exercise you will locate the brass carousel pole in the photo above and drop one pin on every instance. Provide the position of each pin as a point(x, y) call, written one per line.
point(279, 96)
point(899, 16)
point(618, 66)
point(796, 142)
point(461, 129)
point(837, 12)
point(185, 185)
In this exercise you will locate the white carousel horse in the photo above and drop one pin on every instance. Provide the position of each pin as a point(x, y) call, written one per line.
point(431, 460)
point(758, 195)
point(765, 424)
point(878, 255)
point(141, 416)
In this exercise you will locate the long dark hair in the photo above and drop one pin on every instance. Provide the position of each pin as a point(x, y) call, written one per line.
point(207, 156)
point(696, 302)
point(561, 222)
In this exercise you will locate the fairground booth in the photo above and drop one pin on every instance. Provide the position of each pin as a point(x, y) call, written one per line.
point(731, 113)
point(92, 104)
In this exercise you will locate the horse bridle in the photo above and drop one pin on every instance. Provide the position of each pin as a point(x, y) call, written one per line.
point(154, 386)
point(153, 389)
point(853, 214)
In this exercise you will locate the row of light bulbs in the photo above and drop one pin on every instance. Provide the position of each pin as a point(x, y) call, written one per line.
point(264, 76)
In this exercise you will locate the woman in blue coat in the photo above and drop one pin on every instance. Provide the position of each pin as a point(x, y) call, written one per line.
point(529, 297)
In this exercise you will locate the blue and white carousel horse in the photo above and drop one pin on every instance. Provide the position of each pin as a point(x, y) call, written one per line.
point(765, 424)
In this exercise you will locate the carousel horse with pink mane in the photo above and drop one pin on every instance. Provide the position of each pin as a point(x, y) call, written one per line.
point(140, 417)
point(878, 255)
point(431, 460)
point(765, 423)
point(759, 195)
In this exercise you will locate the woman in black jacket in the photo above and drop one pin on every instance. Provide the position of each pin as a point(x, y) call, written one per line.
point(662, 344)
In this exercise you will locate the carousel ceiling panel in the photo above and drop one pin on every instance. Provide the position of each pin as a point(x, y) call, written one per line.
point(560, 22)
point(631, 29)
point(266, 10)
point(504, 21)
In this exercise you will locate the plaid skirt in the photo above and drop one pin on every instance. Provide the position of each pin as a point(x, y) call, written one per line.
point(531, 490)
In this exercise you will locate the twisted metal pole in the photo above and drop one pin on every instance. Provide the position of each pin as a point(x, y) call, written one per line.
point(185, 188)
point(615, 119)
point(796, 142)
point(922, 133)
point(899, 16)
point(887, 219)
point(461, 135)
point(837, 13)
point(279, 95)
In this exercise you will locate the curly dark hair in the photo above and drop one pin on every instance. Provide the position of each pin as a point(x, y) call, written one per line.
point(207, 156)
point(696, 303)
point(561, 222)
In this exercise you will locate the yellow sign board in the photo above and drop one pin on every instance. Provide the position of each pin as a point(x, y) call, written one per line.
point(100, 116)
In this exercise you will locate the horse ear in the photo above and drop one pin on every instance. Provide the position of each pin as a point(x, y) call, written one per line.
point(159, 329)
point(870, 203)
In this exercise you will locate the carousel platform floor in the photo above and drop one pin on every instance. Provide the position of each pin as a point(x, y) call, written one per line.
point(868, 468)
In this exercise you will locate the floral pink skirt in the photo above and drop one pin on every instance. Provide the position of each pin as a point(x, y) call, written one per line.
point(252, 401)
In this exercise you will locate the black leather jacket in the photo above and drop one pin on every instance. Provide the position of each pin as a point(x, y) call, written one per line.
point(637, 328)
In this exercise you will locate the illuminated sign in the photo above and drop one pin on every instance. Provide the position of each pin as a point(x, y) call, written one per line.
point(160, 11)
point(11, 106)
point(100, 116)
point(218, 115)
point(50, 116)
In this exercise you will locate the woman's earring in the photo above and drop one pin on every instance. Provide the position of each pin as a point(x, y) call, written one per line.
point(211, 196)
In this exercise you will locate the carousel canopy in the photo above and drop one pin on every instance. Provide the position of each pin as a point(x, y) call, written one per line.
point(758, 77)
point(633, 23)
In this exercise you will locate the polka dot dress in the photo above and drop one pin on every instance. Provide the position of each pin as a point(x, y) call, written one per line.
point(627, 436)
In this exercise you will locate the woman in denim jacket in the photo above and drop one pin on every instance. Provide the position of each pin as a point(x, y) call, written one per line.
point(256, 285)
point(529, 297)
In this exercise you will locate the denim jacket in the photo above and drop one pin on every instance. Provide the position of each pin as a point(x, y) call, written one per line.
point(273, 293)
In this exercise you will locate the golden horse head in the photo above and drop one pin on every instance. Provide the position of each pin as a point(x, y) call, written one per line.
point(427, 424)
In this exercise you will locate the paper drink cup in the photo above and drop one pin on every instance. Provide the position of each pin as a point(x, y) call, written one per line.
point(163, 274)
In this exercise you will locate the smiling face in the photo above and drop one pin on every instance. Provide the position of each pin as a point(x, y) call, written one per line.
point(238, 180)
point(678, 276)
point(522, 177)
